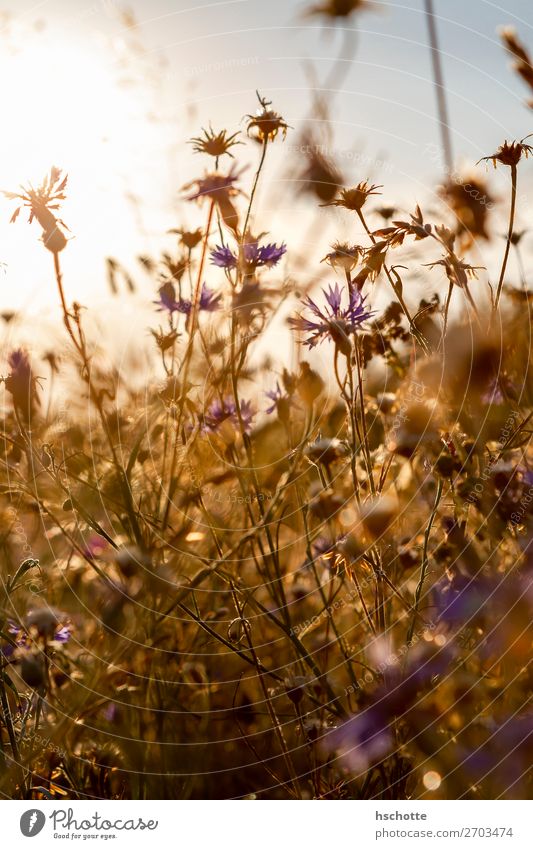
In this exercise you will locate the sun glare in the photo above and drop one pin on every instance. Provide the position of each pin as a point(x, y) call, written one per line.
point(65, 106)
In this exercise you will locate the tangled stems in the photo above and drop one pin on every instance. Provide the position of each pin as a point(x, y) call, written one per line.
point(425, 562)
point(79, 344)
point(184, 369)
point(514, 174)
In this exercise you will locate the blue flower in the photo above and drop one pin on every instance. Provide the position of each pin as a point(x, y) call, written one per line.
point(167, 299)
point(334, 321)
point(223, 257)
point(208, 301)
point(226, 410)
point(250, 256)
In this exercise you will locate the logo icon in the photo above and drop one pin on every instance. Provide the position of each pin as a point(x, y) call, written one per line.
point(32, 822)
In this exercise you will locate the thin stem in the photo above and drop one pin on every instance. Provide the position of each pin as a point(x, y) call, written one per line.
point(514, 174)
point(254, 188)
point(425, 561)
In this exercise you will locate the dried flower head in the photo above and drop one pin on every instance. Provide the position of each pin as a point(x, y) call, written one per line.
point(344, 256)
point(220, 189)
point(457, 271)
point(41, 201)
point(281, 403)
point(509, 153)
point(320, 177)
point(354, 199)
point(189, 238)
point(470, 200)
point(214, 144)
point(309, 384)
point(266, 123)
point(339, 8)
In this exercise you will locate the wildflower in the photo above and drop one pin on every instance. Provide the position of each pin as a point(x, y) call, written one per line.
point(226, 410)
point(21, 383)
point(309, 384)
point(164, 341)
point(220, 189)
point(334, 321)
point(41, 201)
point(207, 302)
point(325, 450)
point(469, 199)
point(457, 271)
point(339, 8)
point(320, 176)
point(378, 514)
point(189, 238)
point(167, 298)
point(364, 739)
point(281, 403)
point(354, 199)
point(173, 269)
point(214, 144)
point(249, 257)
point(344, 256)
point(386, 212)
point(45, 622)
point(509, 154)
point(266, 123)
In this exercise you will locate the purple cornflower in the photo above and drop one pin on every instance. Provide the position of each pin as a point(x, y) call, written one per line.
point(226, 410)
point(223, 257)
point(280, 403)
point(44, 622)
point(167, 299)
point(208, 301)
point(335, 321)
point(251, 256)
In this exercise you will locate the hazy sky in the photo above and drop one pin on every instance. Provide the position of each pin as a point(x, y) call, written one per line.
point(113, 103)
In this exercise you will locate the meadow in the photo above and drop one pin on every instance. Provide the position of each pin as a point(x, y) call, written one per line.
point(237, 574)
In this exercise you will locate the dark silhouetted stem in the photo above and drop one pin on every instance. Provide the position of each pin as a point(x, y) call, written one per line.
point(440, 89)
point(509, 236)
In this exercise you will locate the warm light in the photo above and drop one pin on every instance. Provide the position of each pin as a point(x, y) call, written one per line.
point(432, 780)
point(65, 106)
point(194, 536)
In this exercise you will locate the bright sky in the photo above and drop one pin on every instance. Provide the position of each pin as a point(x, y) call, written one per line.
point(113, 105)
